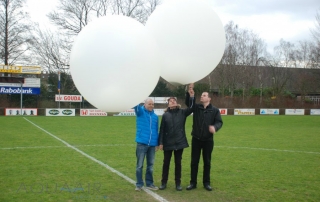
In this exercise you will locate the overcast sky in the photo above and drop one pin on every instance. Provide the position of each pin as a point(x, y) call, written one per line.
point(271, 19)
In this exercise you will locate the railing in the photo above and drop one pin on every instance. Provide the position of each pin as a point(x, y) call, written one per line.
point(315, 99)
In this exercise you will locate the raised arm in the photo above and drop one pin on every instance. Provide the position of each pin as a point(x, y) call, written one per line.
point(190, 99)
point(138, 110)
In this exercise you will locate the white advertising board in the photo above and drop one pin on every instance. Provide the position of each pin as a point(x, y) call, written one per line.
point(294, 112)
point(269, 111)
point(131, 112)
point(28, 82)
point(223, 111)
point(158, 100)
point(92, 112)
point(244, 112)
point(68, 98)
point(159, 112)
point(17, 111)
point(315, 112)
point(60, 112)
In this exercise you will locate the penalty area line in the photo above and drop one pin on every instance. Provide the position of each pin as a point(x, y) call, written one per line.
point(154, 195)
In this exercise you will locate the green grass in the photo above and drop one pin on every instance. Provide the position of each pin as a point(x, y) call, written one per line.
point(256, 158)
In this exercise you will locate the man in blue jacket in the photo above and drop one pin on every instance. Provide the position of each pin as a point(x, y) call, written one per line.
point(147, 139)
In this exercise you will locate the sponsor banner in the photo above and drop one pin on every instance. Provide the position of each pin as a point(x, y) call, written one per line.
point(130, 112)
point(17, 90)
point(294, 112)
point(68, 98)
point(269, 111)
point(161, 100)
point(159, 112)
point(92, 112)
point(20, 69)
point(158, 100)
point(60, 112)
point(223, 111)
point(17, 111)
point(244, 112)
point(28, 82)
point(315, 112)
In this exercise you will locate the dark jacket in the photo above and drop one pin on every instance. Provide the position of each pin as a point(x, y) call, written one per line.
point(203, 118)
point(172, 129)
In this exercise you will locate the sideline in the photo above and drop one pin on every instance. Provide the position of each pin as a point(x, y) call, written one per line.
point(126, 145)
point(154, 195)
point(278, 150)
point(88, 145)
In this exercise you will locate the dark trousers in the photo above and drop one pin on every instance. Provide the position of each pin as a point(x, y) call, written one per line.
point(206, 147)
point(166, 164)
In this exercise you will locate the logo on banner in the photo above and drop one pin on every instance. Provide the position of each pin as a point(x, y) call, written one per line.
point(84, 112)
point(54, 112)
point(67, 112)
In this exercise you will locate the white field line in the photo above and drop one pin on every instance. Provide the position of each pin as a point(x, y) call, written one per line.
point(265, 149)
point(126, 145)
point(48, 147)
point(154, 195)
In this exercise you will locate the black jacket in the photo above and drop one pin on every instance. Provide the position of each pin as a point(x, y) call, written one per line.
point(203, 118)
point(172, 129)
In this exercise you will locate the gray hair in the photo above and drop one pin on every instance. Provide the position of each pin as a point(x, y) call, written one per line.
point(147, 100)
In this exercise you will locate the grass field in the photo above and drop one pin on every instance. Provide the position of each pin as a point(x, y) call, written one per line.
point(256, 158)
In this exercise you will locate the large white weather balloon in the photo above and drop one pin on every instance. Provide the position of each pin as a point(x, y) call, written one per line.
point(191, 39)
point(114, 63)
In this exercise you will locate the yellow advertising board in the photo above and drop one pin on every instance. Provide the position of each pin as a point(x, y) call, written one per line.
point(20, 69)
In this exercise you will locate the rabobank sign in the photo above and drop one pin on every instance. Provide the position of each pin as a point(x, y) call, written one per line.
point(17, 90)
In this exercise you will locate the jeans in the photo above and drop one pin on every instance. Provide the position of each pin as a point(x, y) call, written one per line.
point(143, 151)
point(206, 147)
point(166, 164)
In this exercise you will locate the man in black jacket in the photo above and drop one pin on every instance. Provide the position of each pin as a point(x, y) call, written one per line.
point(206, 122)
point(172, 139)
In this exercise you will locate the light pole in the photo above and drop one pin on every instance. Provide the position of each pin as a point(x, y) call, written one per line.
point(59, 80)
point(260, 87)
point(59, 85)
point(273, 79)
point(21, 97)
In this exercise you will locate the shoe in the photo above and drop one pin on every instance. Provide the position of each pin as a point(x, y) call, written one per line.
point(138, 188)
point(191, 186)
point(152, 187)
point(163, 186)
point(208, 187)
point(178, 187)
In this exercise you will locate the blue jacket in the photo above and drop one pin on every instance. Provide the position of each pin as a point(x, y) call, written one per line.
point(147, 126)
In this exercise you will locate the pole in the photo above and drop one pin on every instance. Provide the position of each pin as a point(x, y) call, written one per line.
point(59, 85)
point(21, 99)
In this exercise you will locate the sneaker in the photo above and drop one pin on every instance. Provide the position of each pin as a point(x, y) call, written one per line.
point(152, 187)
point(138, 188)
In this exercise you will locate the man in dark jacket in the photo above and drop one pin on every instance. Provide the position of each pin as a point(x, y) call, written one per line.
point(206, 122)
point(172, 138)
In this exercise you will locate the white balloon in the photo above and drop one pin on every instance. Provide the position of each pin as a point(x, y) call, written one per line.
point(114, 63)
point(190, 37)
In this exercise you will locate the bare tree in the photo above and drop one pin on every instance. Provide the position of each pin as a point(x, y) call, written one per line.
point(316, 32)
point(243, 48)
point(51, 50)
point(15, 37)
point(285, 54)
point(137, 9)
point(72, 16)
